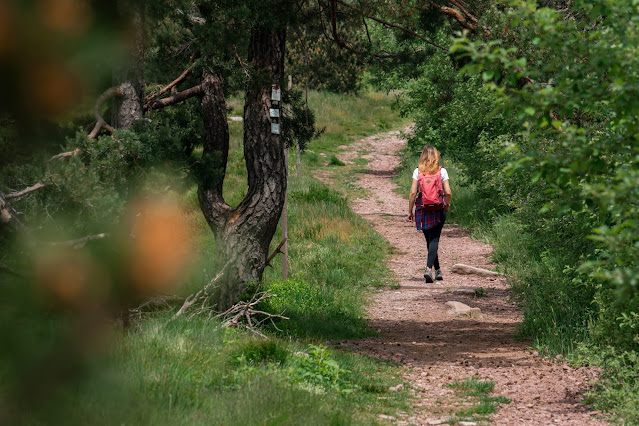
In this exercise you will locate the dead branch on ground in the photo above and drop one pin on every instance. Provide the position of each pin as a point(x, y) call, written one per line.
point(203, 295)
point(155, 303)
point(244, 314)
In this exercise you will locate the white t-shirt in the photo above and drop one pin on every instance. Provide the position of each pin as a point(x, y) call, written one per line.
point(444, 174)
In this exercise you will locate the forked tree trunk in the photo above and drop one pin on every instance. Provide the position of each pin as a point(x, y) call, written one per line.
point(243, 234)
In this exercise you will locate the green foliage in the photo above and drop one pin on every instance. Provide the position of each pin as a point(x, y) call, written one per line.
point(541, 126)
point(471, 386)
point(319, 193)
point(580, 133)
point(189, 372)
point(261, 352)
point(298, 121)
point(320, 64)
point(334, 161)
point(476, 391)
point(319, 369)
point(618, 390)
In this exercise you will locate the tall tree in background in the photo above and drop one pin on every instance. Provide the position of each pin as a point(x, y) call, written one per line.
point(218, 48)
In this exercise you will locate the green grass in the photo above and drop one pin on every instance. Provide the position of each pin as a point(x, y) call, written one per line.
point(475, 393)
point(334, 161)
point(196, 372)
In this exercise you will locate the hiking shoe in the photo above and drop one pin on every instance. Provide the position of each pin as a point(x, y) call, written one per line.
point(438, 275)
point(428, 276)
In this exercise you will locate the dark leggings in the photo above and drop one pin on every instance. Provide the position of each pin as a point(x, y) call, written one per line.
point(432, 243)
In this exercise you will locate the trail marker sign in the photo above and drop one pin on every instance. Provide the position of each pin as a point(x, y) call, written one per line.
point(276, 93)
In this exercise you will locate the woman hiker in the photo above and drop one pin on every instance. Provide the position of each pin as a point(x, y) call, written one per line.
point(430, 180)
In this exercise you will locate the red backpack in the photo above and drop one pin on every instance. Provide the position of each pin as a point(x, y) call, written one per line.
point(430, 189)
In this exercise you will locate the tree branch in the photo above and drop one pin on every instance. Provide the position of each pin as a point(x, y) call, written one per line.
point(174, 83)
point(459, 17)
point(341, 43)
point(65, 155)
point(177, 98)
point(389, 24)
point(28, 190)
point(277, 250)
point(101, 122)
point(463, 7)
point(202, 295)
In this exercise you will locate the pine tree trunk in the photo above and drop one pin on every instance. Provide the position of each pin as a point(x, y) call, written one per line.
point(243, 234)
point(131, 78)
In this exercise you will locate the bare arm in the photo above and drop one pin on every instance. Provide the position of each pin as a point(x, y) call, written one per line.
point(447, 194)
point(411, 200)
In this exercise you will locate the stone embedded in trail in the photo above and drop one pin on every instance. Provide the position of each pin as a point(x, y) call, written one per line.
point(460, 268)
point(458, 308)
point(466, 291)
point(396, 388)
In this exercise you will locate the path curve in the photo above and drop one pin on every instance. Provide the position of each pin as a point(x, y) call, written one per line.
point(439, 348)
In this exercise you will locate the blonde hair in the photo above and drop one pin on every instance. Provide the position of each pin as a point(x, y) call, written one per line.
point(429, 160)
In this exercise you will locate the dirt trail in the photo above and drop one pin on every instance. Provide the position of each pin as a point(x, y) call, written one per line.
point(438, 347)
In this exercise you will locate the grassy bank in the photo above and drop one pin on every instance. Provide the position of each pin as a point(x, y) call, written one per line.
point(193, 372)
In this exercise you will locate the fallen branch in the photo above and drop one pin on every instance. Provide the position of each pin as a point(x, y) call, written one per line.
point(202, 295)
point(158, 302)
point(246, 311)
point(79, 242)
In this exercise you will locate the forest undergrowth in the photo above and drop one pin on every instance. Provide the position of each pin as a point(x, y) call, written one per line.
point(193, 371)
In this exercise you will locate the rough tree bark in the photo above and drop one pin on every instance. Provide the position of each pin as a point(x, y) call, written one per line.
point(9, 222)
point(243, 234)
point(131, 78)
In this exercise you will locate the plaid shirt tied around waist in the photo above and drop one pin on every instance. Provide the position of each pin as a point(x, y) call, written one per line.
point(426, 219)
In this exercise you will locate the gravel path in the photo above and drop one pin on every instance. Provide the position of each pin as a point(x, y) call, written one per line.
point(440, 348)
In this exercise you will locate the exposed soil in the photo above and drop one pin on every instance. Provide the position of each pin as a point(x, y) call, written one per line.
point(440, 348)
